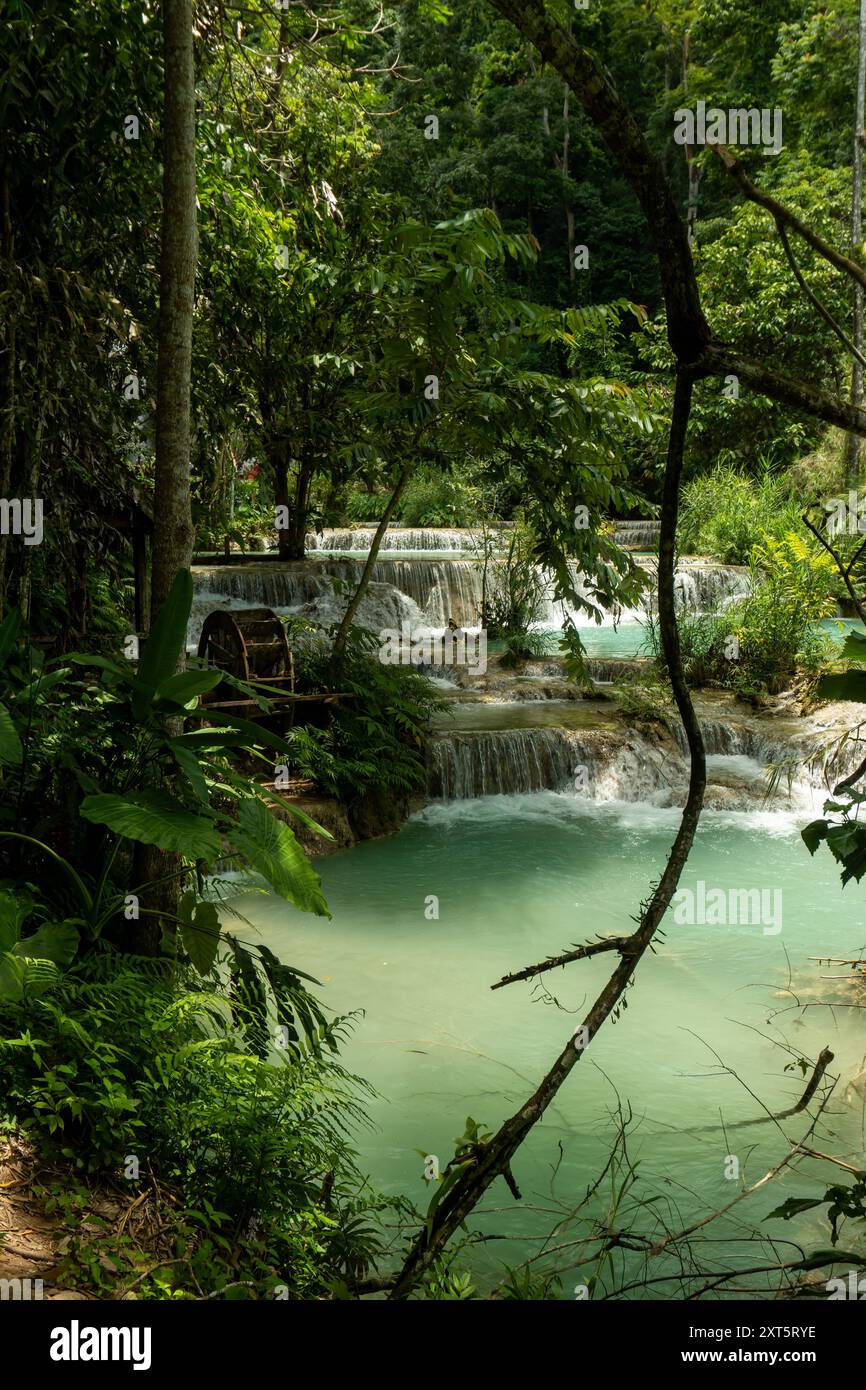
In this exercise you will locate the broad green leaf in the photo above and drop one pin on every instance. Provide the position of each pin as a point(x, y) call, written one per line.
point(54, 941)
point(101, 663)
point(255, 733)
point(199, 932)
point(271, 849)
point(154, 818)
point(854, 646)
point(203, 739)
point(15, 907)
point(190, 767)
point(11, 751)
point(187, 685)
point(39, 686)
point(166, 642)
point(11, 979)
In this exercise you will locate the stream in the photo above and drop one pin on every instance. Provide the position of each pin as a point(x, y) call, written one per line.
point(511, 861)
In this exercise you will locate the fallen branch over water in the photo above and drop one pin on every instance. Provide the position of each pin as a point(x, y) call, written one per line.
point(623, 944)
point(494, 1157)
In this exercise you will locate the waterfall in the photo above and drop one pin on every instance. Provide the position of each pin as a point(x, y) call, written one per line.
point(554, 612)
point(620, 764)
point(466, 765)
point(505, 761)
point(319, 593)
point(606, 670)
point(442, 589)
point(637, 535)
point(708, 588)
point(397, 538)
point(725, 739)
point(422, 591)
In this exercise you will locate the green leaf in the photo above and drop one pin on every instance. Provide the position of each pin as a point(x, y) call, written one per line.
point(187, 685)
point(199, 932)
point(819, 1258)
point(11, 751)
point(249, 998)
point(155, 818)
point(166, 642)
point(11, 979)
point(22, 978)
point(792, 1207)
point(271, 848)
point(255, 733)
point(15, 907)
point(190, 767)
point(39, 977)
point(854, 646)
point(100, 663)
point(813, 834)
point(42, 683)
point(54, 941)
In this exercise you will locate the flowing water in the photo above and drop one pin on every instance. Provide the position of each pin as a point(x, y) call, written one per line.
point(523, 876)
point(549, 825)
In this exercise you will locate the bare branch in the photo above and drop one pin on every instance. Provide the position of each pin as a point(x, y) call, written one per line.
point(780, 213)
point(623, 944)
point(813, 298)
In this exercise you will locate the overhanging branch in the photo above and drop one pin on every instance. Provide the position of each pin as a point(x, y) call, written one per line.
point(780, 213)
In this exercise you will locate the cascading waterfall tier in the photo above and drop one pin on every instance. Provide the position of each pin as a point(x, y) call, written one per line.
point(398, 538)
point(423, 592)
point(792, 752)
point(597, 763)
point(638, 535)
point(591, 753)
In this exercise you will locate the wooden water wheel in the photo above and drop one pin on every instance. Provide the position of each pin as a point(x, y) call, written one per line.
point(249, 643)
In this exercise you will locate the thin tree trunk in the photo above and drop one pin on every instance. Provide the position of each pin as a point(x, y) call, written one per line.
point(495, 1158)
point(569, 211)
point(852, 462)
point(349, 615)
point(298, 514)
point(694, 170)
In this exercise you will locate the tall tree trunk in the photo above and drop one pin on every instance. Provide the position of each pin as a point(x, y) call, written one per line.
point(852, 461)
point(7, 380)
point(172, 533)
point(277, 450)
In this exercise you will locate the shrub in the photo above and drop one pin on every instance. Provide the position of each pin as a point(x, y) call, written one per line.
point(725, 513)
point(376, 740)
point(121, 1061)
